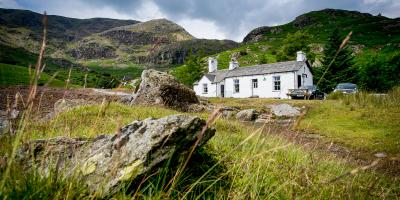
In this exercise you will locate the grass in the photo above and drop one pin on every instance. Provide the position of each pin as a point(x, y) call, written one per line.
point(241, 161)
point(17, 75)
point(361, 121)
point(110, 66)
point(258, 103)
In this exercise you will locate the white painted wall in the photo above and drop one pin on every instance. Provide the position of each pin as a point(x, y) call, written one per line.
point(265, 85)
point(211, 88)
point(306, 80)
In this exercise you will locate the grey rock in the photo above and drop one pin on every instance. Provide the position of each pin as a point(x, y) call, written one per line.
point(67, 104)
point(127, 99)
point(284, 110)
point(247, 115)
point(229, 112)
point(159, 88)
point(200, 108)
point(264, 118)
point(380, 155)
point(107, 161)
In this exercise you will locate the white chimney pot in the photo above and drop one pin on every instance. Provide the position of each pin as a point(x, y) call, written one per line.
point(212, 64)
point(233, 65)
point(301, 56)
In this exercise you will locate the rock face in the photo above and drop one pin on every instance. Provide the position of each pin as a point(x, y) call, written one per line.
point(92, 50)
point(107, 161)
point(247, 115)
point(159, 88)
point(284, 110)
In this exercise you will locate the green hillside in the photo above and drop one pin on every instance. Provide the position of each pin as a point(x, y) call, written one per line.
point(17, 75)
point(264, 43)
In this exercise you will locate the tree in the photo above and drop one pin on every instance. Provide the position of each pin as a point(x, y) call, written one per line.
point(293, 43)
point(341, 70)
point(191, 71)
point(379, 71)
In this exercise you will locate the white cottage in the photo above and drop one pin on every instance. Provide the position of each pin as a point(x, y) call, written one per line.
point(264, 81)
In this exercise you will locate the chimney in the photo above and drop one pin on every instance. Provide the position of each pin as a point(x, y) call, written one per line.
point(301, 56)
point(212, 64)
point(233, 65)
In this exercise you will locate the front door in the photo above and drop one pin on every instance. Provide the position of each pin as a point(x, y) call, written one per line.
point(298, 81)
point(222, 91)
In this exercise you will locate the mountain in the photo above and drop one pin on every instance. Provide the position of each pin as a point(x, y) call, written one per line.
point(100, 44)
point(367, 29)
point(369, 32)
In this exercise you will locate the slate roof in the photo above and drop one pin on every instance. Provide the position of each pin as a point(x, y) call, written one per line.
point(256, 70)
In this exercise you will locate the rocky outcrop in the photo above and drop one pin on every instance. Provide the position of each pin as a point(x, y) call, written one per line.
point(129, 37)
point(92, 50)
point(107, 161)
point(247, 115)
point(176, 53)
point(159, 88)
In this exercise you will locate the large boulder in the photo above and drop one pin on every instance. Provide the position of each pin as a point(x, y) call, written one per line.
point(159, 88)
point(107, 161)
point(247, 115)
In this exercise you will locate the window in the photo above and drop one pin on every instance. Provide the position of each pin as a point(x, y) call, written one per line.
point(205, 88)
point(236, 85)
point(277, 83)
point(254, 83)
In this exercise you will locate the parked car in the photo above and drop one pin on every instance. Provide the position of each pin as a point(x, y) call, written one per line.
point(306, 92)
point(346, 88)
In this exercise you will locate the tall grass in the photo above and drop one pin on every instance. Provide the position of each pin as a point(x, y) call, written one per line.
point(242, 161)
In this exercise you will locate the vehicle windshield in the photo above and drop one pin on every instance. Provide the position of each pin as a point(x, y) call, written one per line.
point(309, 87)
point(346, 86)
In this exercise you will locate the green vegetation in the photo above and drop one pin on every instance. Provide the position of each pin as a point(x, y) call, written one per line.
point(191, 71)
point(17, 75)
point(241, 161)
point(337, 65)
point(379, 70)
point(118, 70)
point(298, 41)
point(21, 57)
point(361, 121)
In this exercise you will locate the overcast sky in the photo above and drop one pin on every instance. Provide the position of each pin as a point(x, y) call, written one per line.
point(213, 19)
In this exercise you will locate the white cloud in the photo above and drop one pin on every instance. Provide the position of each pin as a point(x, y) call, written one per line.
point(202, 28)
point(9, 4)
point(146, 11)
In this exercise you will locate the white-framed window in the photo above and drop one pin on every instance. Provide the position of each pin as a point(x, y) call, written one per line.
point(236, 85)
point(254, 83)
point(277, 83)
point(205, 88)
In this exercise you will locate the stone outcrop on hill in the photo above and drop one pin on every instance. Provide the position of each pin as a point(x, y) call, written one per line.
point(107, 161)
point(92, 50)
point(159, 88)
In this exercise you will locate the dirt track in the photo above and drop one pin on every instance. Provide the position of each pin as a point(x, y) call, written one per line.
point(46, 97)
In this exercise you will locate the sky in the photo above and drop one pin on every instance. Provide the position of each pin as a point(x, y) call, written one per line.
point(211, 19)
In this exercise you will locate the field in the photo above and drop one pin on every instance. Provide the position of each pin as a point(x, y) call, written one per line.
point(17, 75)
point(244, 160)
